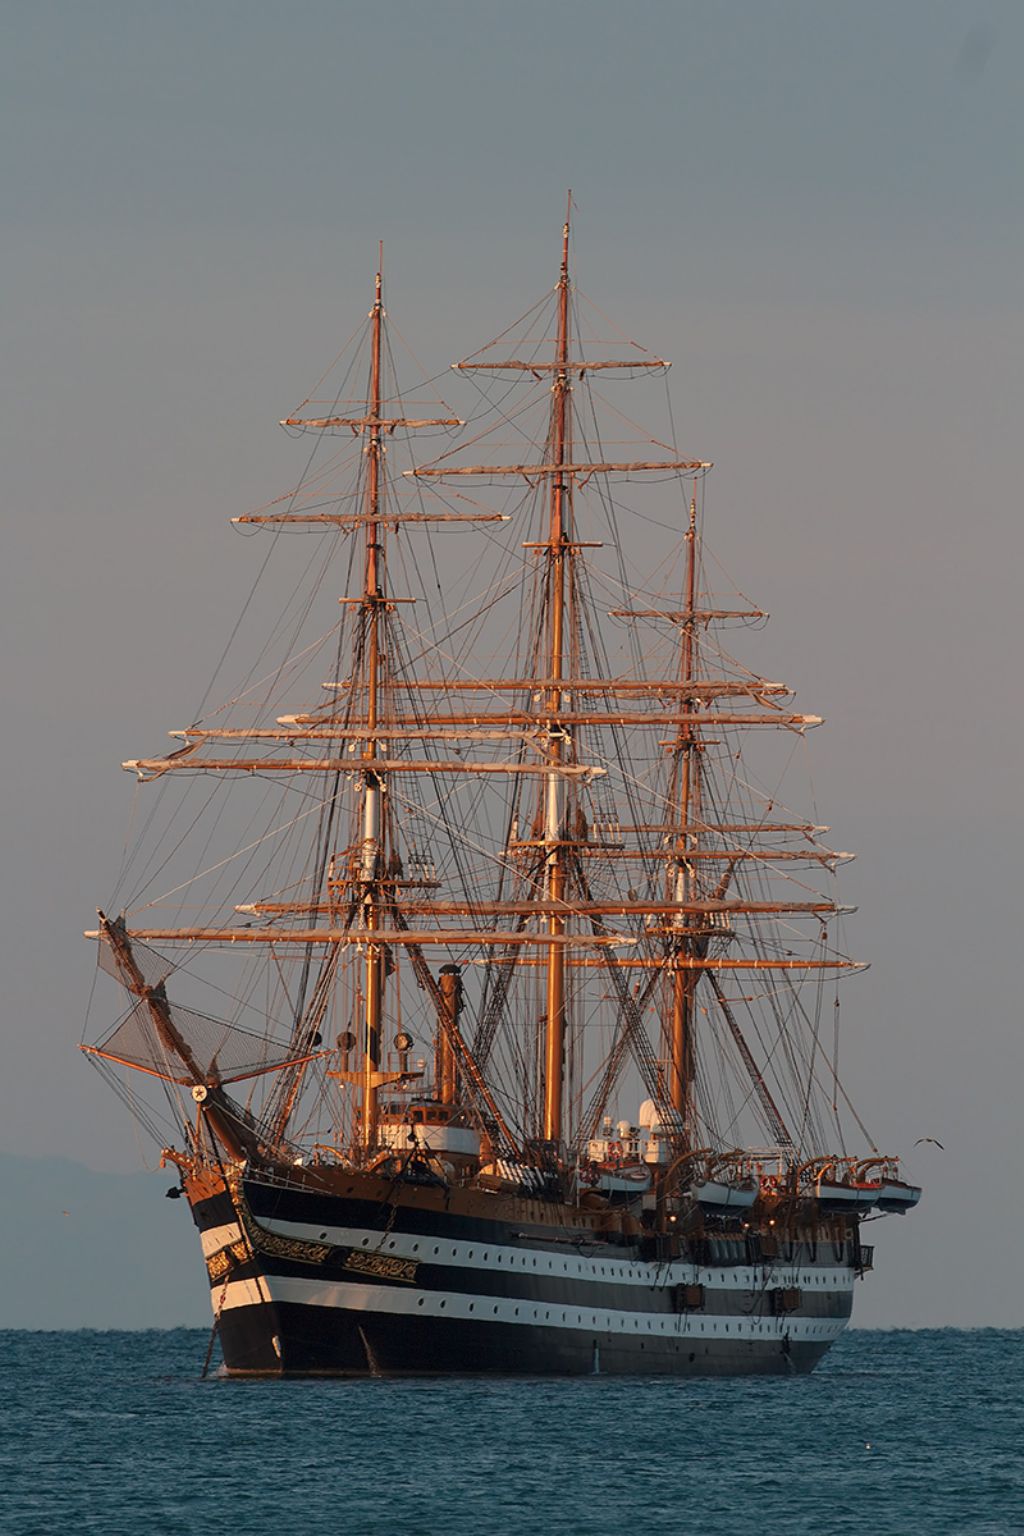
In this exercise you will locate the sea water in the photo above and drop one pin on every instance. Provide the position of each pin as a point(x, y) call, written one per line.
point(115, 1434)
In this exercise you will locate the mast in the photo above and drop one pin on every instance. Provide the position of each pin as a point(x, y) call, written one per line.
point(644, 892)
point(558, 555)
point(684, 979)
point(373, 785)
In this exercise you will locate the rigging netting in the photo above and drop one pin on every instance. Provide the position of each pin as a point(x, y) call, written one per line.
point(225, 1052)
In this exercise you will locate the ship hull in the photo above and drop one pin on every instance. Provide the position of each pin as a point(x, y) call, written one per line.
point(309, 1282)
point(349, 1339)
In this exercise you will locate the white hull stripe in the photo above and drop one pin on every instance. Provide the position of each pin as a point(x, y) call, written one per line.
point(502, 1259)
point(356, 1296)
point(217, 1238)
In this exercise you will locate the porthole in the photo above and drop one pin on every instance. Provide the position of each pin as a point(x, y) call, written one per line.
point(420, 1302)
point(442, 1304)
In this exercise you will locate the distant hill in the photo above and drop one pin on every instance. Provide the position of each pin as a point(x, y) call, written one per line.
point(95, 1250)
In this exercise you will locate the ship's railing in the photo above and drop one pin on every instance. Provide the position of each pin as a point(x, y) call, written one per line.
point(281, 1177)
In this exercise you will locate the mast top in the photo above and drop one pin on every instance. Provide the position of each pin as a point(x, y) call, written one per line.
point(564, 278)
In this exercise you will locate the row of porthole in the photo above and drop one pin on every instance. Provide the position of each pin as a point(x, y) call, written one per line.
point(442, 1304)
point(453, 1253)
point(579, 1270)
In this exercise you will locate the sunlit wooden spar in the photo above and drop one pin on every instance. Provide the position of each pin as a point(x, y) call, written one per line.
point(561, 364)
point(158, 765)
point(386, 520)
point(520, 867)
point(564, 470)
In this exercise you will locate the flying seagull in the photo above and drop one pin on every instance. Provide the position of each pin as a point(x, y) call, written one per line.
point(922, 1139)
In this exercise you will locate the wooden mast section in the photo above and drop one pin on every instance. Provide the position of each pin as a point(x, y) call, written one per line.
point(371, 893)
point(375, 892)
point(559, 554)
point(371, 862)
point(570, 701)
point(689, 746)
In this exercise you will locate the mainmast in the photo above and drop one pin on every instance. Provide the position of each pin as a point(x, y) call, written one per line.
point(373, 783)
point(559, 553)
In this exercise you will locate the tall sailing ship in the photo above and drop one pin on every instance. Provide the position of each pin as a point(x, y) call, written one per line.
point(489, 998)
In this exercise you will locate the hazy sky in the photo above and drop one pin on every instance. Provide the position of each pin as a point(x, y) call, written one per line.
point(814, 209)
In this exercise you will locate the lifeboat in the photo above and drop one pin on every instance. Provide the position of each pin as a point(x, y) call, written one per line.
point(717, 1194)
point(627, 1180)
point(896, 1196)
point(893, 1193)
point(835, 1195)
point(841, 1185)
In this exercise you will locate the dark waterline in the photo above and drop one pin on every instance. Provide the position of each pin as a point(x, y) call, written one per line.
point(908, 1433)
